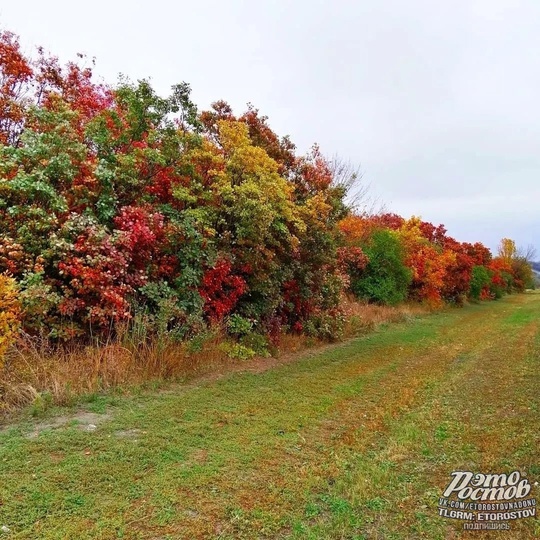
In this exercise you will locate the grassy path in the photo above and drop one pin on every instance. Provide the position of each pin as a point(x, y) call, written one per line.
point(353, 442)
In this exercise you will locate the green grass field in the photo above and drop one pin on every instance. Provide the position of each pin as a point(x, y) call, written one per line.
point(354, 441)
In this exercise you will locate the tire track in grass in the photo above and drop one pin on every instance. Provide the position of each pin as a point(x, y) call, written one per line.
point(357, 419)
point(319, 449)
point(482, 415)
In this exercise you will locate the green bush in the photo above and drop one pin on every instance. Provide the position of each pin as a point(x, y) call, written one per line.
point(238, 325)
point(257, 343)
point(328, 326)
point(237, 351)
point(385, 279)
point(480, 278)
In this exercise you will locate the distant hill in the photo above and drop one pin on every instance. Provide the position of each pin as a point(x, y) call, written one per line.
point(536, 267)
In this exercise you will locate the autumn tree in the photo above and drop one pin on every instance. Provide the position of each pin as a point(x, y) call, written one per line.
point(507, 250)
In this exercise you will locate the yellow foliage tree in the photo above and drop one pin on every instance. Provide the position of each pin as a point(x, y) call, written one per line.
point(9, 313)
point(507, 250)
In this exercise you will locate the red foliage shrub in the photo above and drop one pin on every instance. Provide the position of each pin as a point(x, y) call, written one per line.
point(220, 290)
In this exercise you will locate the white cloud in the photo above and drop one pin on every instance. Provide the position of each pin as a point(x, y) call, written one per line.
point(438, 101)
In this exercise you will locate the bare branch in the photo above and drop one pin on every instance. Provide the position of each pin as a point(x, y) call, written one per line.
point(528, 253)
point(350, 179)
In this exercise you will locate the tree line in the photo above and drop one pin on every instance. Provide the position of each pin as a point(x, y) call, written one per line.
point(118, 204)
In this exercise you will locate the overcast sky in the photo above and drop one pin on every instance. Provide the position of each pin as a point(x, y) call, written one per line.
point(438, 102)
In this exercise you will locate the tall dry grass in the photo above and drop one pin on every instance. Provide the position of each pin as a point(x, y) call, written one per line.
point(34, 367)
point(362, 317)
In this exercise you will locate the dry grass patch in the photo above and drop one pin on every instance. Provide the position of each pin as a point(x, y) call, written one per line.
point(37, 372)
point(363, 317)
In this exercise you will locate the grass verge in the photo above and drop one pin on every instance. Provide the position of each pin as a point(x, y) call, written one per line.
point(353, 441)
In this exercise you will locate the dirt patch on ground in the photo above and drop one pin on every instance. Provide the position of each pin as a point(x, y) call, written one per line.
point(128, 433)
point(84, 420)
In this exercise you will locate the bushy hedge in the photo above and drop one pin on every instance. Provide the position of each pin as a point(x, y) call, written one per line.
point(385, 279)
point(117, 204)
